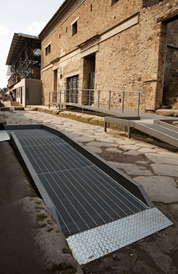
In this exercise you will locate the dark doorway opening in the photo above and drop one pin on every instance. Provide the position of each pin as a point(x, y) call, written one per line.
point(55, 84)
point(72, 89)
point(89, 79)
point(170, 84)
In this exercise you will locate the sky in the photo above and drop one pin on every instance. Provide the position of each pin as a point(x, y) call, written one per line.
point(22, 16)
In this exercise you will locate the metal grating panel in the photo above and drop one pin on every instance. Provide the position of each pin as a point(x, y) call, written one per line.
point(84, 196)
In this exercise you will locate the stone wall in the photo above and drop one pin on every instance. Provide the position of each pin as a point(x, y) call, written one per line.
point(150, 3)
point(127, 57)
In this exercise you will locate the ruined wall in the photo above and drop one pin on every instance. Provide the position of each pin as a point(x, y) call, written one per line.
point(152, 50)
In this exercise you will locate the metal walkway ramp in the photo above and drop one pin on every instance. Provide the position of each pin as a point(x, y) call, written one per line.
point(160, 129)
point(94, 210)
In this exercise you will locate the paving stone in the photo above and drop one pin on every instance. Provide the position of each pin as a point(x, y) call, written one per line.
point(159, 188)
point(95, 149)
point(84, 139)
point(162, 159)
point(131, 152)
point(146, 145)
point(125, 142)
point(108, 140)
point(141, 162)
point(146, 150)
point(114, 150)
point(132, 169)
point(165, 170)
point(73, 134)
point(99, 144)
point(129, 147)
point(101, 134)
point(68, 130)
point(167, 153)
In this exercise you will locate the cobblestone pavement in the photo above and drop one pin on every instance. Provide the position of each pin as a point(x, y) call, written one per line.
point(153, 164)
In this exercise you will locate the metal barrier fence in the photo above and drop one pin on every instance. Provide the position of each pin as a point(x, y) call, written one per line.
point(118, 99)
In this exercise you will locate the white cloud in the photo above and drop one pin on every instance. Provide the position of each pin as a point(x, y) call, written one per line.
point(5, 34)
point(35, 28)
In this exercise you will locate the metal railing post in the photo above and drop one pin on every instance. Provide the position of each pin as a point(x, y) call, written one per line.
point(109, 99)
point(82, 97)
point(75, 95)
point(98, 98)
point(60, 96)
point(123, 97)
point(49, 100)
point(89, 94)
point(138, 112)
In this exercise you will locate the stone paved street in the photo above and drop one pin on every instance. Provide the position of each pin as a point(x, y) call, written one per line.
point(147, 163)
point(153, 164)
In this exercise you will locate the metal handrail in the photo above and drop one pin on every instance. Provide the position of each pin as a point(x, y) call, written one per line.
point(88, 97)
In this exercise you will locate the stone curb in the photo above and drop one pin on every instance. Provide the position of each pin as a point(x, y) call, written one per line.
point(81, 117)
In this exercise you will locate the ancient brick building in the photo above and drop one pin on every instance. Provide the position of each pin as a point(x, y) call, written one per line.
point(127, 45)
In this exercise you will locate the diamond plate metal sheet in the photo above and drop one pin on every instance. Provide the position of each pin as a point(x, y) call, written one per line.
point(4, 136)
point(97, 242)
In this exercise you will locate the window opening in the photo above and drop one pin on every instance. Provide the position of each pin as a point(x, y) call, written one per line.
point(74, 28)
point(114, 1)
point(48, 49)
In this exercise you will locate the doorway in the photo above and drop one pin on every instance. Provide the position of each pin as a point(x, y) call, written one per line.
point(72, 89)
point(89, 79)
point(55, 84)
point(170, 81)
